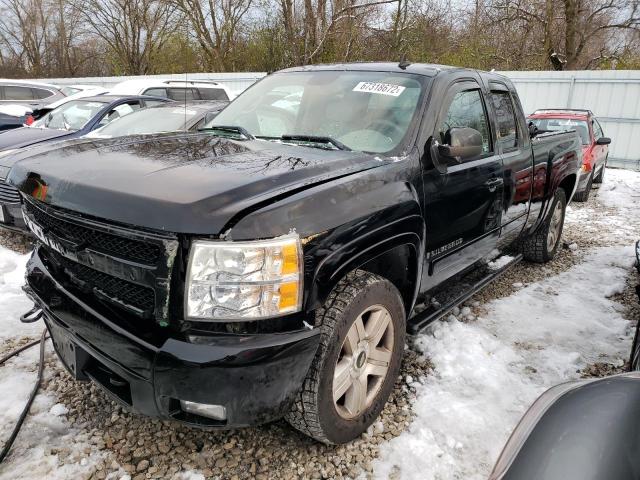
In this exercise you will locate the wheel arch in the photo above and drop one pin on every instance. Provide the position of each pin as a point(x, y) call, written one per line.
point(390, 252)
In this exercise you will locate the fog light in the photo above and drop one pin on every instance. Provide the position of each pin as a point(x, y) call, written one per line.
point(216, 412)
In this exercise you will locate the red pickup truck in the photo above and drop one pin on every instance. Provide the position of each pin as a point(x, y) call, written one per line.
point(595, 146)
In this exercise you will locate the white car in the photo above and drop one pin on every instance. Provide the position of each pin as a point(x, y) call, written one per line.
point(180, 90)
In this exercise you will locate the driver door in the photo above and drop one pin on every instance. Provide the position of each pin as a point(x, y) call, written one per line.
point(463, 199)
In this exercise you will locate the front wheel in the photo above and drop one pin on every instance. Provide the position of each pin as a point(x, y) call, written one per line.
point(583, 196)
point(542, 246)
point(357, 362)
point(600, 177)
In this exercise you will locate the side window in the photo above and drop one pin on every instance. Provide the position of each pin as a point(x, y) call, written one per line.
point(40, 93)
point(467, 110)
point(153, 103)
point(597, 130)
point(17, 93)
point(182, 94)
point(156, 92)
point(213, 94)
point(507, 133)
point(119, 111)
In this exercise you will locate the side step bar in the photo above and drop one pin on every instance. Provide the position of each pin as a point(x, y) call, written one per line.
point(456, 291)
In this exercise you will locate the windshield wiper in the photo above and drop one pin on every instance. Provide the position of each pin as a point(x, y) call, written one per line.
point(229, 129)
point(317, 139)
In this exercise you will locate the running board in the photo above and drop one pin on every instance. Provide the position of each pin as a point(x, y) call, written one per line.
point(456, 291)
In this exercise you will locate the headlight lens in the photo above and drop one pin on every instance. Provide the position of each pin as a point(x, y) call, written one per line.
point(244, 280)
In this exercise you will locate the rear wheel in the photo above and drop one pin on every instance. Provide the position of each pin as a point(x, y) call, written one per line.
point(357, 362)
point(542, 246)
point(583, 196)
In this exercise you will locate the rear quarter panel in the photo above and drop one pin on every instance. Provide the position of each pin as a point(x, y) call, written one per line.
point(556, 157)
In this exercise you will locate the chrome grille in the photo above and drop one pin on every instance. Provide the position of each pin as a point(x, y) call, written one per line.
point(8, 193)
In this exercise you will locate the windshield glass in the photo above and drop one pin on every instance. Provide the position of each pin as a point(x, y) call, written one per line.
point(72, 115)
point(556, 124)
point(365, 111)
point(151, 120)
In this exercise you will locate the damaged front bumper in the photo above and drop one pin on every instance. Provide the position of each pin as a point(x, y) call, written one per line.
point(254, 377)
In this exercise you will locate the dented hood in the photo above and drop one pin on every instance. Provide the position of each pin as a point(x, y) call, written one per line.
point(185, 183)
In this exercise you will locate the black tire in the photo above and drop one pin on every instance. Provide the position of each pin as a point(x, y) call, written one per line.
point(536, 248)
point(314, 412)
point(600, 177)
point(583, 196)
point(634, 360)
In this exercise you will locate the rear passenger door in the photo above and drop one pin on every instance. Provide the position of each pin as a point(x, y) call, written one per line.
point(514, 148)
point(463, 202)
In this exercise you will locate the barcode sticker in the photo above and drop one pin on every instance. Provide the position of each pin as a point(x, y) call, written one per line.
point(379, 88)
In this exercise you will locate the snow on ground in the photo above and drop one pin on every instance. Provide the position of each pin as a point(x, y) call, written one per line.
point(46, 428)
point(488, 372)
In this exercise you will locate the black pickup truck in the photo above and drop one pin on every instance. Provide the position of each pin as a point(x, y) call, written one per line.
point(272, 264)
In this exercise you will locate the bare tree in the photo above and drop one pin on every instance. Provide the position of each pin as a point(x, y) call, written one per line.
point(134, 30)
point(216, 25)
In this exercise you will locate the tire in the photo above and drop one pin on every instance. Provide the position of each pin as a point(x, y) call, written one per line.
point(634, 360)
point(542, 245)
point(584, 195)
point(600, 177)
point(360, 295)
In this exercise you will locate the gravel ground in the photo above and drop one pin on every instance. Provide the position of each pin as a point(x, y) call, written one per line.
point(140, 448)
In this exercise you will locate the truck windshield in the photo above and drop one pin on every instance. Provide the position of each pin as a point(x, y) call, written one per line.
point(363, 111)
point(579, 126)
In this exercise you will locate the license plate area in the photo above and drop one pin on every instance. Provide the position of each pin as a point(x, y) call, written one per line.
point(74, 358)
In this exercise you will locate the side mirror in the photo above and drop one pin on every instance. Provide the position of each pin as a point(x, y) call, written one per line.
point(533, 130)
point(462, 143)
point(603, 141)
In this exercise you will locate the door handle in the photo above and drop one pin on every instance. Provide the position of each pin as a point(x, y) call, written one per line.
point(493, 183)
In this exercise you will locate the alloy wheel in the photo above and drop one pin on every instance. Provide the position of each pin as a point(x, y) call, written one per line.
point(554, 227)
point(363, 362)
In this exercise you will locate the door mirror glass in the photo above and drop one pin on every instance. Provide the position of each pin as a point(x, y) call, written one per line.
point(461, 144)
point(603, 141)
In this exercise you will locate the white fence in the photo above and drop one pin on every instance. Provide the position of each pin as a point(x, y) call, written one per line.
point(613, 95)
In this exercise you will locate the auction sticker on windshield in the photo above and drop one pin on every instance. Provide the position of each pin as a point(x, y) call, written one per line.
point(380, 88)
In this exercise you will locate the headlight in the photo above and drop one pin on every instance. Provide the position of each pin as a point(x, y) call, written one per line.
point(244, 280)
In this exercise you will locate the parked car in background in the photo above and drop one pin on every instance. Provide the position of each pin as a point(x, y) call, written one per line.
point(270, 264)
point(70, 120)
point(595, 146)
point(42, 110)
point(179, 90)
point(69, 90)
point(172, 117)
point(18, 98)
point(30, 94)
point(13, 116)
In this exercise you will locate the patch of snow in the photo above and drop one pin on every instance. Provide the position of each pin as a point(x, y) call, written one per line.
point(44, 430)
point(58, 410)
point(487, 373)
point(500, 262)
